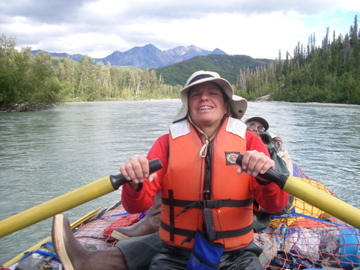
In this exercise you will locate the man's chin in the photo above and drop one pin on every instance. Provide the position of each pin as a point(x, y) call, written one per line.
point(204, 121)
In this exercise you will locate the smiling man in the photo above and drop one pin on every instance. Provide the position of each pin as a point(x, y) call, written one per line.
point(207, 200)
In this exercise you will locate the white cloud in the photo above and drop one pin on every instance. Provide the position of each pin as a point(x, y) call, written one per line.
point(258, 28)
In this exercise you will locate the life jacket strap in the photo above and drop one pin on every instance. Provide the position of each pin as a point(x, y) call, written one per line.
point(206, 203)
point(189, 234)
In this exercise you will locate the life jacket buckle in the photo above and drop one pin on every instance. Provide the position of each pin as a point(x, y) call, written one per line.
point(205, 204)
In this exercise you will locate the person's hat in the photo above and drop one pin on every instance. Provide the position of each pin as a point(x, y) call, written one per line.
point(238, 104)
point(258, 119)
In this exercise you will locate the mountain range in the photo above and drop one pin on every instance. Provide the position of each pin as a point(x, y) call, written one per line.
point(147, 56)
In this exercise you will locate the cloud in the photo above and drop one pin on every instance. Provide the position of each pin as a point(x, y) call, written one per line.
point(43, 11)
point(258, 28)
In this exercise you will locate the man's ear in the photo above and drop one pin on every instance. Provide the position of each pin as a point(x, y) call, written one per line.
point(228, 110)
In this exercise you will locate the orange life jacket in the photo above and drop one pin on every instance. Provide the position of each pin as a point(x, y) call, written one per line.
point(183, 201)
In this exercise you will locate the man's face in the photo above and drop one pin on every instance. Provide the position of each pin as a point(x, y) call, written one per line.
point(255, 126)
point(206, 104)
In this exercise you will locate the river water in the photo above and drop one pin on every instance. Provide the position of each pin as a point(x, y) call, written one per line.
point(48, 153)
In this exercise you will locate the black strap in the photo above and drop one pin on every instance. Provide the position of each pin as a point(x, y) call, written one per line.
point(218, 235)
point(179, 203)
point(199, 77)
point(183, 232)
point(207, 176)
point(234, 233)
point(172, 215)
point(216, 204)
point(209, 224)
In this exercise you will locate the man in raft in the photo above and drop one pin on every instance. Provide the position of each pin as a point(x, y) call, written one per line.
point(207, 200)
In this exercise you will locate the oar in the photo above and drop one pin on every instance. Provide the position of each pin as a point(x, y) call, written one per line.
point(308, 193)
point(67, 201)
point(49, 239)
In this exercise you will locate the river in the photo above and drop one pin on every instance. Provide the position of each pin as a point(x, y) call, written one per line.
point(48, 153)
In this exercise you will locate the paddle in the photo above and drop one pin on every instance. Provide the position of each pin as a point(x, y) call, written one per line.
point(67, 201)
point(49, 239)
point(312, 195)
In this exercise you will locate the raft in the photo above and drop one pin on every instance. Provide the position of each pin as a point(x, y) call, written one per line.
point(303, 238)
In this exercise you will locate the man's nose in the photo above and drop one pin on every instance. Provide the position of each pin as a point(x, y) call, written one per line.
point(204, 96)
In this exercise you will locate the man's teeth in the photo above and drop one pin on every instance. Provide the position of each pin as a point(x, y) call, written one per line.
point(205, 108)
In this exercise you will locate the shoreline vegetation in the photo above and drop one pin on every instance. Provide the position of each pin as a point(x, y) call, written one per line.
point(329, 73)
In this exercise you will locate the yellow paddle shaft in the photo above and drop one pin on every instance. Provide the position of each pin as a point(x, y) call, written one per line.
point(48, 239)
point(55, 206)
point(312, 195)
point(323, 201)
point(67, 201)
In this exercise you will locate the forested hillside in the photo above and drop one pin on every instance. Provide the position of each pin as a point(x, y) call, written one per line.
point(226, 65)
point(326, 73)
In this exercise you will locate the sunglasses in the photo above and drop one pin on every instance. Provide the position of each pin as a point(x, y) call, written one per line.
point(256, 127)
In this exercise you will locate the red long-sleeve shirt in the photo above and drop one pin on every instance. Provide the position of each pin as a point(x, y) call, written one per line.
point(270, 197)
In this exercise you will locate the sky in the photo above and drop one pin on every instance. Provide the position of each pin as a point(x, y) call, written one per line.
point(257, 28)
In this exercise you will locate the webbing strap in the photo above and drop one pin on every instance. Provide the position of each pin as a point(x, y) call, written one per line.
point(172, 215)
point(178, 231)
point(218, 235)
point(217, 204)
point(43, 253)
point(234, 233)
point(209, 224)
point(180, 203)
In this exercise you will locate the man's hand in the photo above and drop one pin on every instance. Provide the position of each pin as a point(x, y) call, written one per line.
point(255, 162)
point(135, 170)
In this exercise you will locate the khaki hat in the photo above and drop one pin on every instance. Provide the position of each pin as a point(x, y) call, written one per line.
point(238, 104)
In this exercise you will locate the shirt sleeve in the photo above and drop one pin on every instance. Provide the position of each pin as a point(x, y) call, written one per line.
point(270, 197)
point(140, 201)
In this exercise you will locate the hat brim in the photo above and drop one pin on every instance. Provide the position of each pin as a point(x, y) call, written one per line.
point(238, 106)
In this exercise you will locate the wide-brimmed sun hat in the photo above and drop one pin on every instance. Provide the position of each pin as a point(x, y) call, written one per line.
point(238, 104)
point(260, 120)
